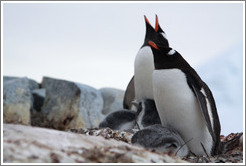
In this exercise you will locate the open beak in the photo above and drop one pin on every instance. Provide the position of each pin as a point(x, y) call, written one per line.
point(156, 23)
point(146, 20)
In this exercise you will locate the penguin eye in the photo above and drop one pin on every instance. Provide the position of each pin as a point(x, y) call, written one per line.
point(152, 44)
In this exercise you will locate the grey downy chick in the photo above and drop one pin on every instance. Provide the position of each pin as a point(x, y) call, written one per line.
point(161, 139)
point(147, 113)
point(119, 120)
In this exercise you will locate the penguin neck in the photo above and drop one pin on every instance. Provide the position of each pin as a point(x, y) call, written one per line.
point(175, 61)
point(143, 69)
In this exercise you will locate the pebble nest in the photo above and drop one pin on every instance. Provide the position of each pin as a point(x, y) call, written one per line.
point(232, 153)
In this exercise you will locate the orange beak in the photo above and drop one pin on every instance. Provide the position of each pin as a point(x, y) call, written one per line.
point(152, 44)
point(156, 23)
point(147, 20)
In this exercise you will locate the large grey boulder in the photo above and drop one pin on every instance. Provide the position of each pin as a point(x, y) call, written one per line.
point(17, 101)
point(31, 83)
point(113, 100)
point(71, 105)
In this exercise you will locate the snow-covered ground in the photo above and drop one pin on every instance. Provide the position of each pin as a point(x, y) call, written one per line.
point(224, 75)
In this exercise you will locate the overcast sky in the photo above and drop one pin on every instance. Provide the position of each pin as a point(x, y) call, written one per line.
point(96, 43)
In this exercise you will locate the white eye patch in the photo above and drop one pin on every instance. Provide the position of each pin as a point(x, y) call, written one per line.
point(171, 52)
point(164, 35)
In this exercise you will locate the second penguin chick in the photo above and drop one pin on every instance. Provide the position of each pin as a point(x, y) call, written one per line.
point(147, 113)
point(161, 139)
point(120, 120)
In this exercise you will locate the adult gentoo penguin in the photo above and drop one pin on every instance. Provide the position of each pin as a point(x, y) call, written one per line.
point(144, 63)
point(184, 101)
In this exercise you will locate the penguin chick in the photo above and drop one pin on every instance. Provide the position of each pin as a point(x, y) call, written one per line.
point(119, 120)
point(147, 113)
point(161, 139)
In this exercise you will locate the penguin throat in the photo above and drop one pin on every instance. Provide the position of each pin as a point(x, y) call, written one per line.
point(143, 69)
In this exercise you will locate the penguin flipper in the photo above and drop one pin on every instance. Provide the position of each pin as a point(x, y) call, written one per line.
point(129, 94)
point(203, 105)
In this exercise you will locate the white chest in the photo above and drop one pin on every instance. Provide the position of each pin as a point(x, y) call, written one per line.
point(173, 95)
point(143, 69)
point(178, 107)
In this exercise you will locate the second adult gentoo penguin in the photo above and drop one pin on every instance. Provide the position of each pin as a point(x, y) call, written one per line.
point(143, 66)
point(184, 101)
point(144, 63)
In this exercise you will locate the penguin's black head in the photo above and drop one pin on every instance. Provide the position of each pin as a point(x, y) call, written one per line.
point(156, 35)
point(166, 57)
point(159, 30)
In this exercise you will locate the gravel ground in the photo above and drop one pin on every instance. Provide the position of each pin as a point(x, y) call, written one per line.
point(232, 153)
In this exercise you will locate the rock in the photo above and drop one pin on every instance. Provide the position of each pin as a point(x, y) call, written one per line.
point(17, 101)
point(38, 99)
point(71, 105)
point(113, 100)
point(8, 78)
point(37, 118)
point(31, 83)
point(25, 144)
